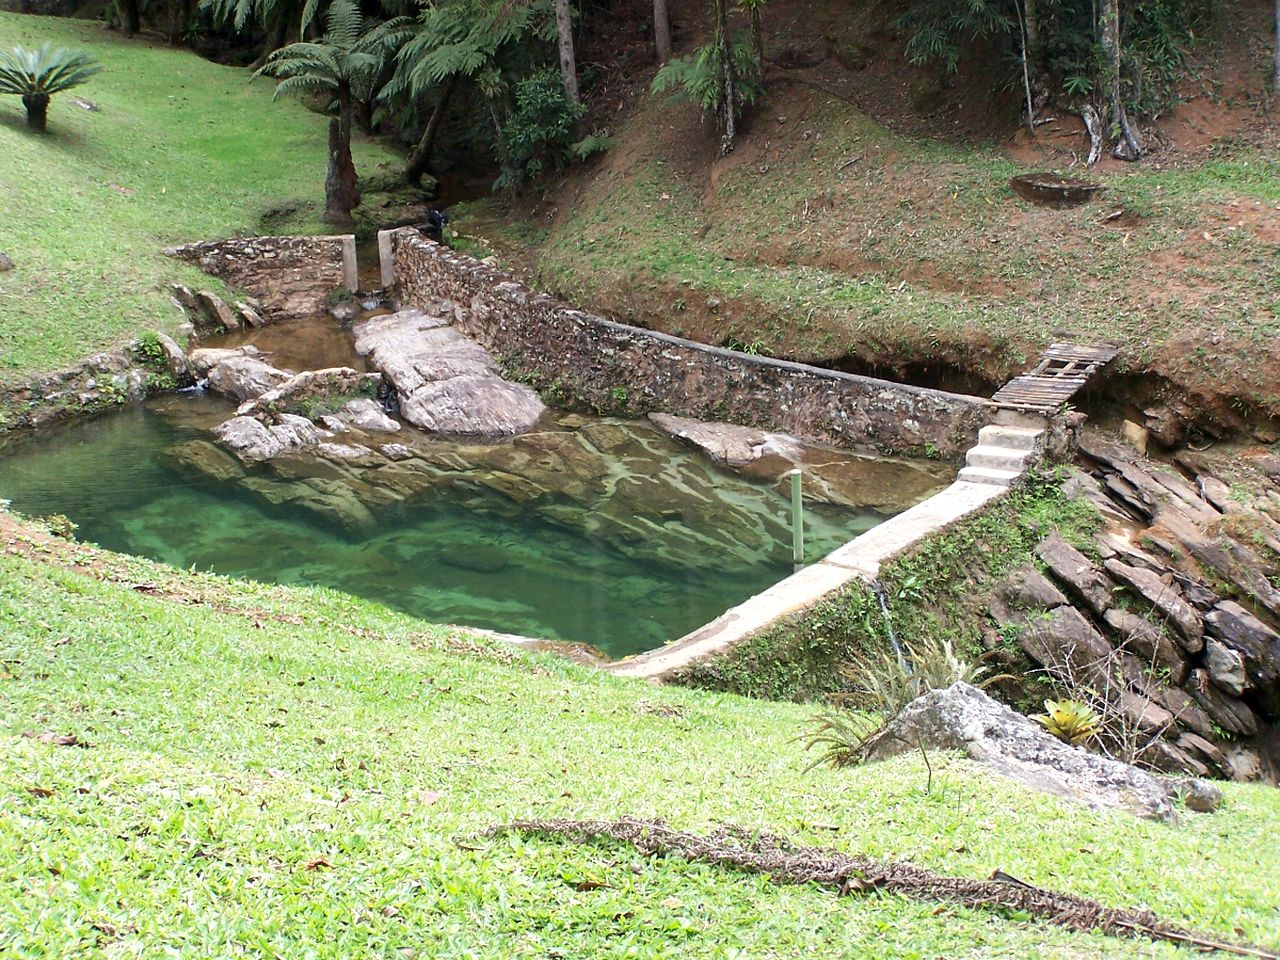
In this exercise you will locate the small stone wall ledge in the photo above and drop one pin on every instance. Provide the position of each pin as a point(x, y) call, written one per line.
point(614, 367)
point(858, 560)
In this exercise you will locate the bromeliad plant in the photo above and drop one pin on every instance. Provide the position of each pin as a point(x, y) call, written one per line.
point(1070, 721)
point(36, 75)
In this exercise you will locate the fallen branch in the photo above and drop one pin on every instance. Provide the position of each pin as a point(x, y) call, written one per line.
point(757, 852)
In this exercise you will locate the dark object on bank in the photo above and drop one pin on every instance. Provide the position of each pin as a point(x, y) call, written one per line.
point(434, 223)
point(1053, 190)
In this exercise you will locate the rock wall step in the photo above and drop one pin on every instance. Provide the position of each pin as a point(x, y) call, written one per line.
point(997, 458)
point(1013, 438)
point(999, 478)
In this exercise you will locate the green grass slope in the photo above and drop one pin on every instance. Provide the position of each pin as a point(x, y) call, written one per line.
point(295, 774)
point(180, 150)
point(826, 236)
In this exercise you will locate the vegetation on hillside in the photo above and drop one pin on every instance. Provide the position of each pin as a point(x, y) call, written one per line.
point(162, 148)
point(205, 766)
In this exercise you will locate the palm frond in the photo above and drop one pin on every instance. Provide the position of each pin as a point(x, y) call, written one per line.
point(45, 70)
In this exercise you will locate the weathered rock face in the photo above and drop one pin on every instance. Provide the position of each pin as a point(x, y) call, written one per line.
point(289, 276)
point(445, 382)
point(312, 392)
point(601, 361)
point(251, 439)
point(962, 717)
point(246, 378)
point(1173, 631)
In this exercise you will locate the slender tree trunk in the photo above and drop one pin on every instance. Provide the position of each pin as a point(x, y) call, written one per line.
point(757, 36)
point(662, 30)
point(1128, 146)
point(1275, 79)
point(130, 17)
point(341, 194)
point(179, 17)
point(37, 105)
point(568, 63)
point(729, 95)
point(420, 156)
point(273, 41)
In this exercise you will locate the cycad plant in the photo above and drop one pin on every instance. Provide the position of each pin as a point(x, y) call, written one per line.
point(36, 75)
point(345, 63)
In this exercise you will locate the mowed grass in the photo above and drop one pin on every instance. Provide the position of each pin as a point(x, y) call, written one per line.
point(302, 775)
point(179, 150)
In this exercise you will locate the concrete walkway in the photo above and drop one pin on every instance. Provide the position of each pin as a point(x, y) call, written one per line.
point(1003, 453)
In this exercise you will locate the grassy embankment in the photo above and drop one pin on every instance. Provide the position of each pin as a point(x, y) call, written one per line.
point(290, 773)
point(827, 236)
point(179, 150)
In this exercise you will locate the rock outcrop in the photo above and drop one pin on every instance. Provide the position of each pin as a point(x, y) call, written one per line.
point(1169, 628)
point(445, 382)
point(962, 717)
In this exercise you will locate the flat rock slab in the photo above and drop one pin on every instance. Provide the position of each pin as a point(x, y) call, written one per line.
point(446, 382)
point(962, 717)
point(1166, 598)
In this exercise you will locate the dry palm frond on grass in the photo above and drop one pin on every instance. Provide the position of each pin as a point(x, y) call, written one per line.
point(757, 852)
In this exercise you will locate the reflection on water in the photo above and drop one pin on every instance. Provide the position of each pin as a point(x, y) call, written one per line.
point(461, 554)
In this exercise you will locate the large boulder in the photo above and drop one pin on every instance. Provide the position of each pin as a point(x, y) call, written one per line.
point(962, 717)
point(252, 440)
point(246, 378)
point(446, 383)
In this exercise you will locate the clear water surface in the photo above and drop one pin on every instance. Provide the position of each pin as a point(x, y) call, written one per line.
point(463, 556)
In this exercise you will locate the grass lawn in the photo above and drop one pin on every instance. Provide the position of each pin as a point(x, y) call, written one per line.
point(294, 774)
point(180, 150)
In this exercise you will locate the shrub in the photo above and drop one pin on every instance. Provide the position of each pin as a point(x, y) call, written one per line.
point(36, 75)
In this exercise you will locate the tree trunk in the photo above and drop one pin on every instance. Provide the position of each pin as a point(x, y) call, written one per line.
point(37, 105)
point(130, 18)
point(179, 17)
point(662, 30)
point(420, 156)
point(341, 195)
point(1275, 79)
point(757, 37)
point(729, 95)
point(273, 41)
point(568, 63)
point(1128, 147)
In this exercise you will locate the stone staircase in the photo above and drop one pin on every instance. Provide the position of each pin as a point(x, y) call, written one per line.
point(1002, 454)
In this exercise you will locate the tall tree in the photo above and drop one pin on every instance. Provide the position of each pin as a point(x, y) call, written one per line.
point(564, 40)
point(461, 42)
point(1275, 79)
point(130, 16)
point(662, 30)
point(1128, 146)
point(723, 43)
point(345, 63)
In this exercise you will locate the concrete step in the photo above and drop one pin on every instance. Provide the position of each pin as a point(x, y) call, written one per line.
point(1013, 438)
point(999, 478)
point(996, 458)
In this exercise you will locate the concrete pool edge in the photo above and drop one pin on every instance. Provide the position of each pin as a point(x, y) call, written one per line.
point(859, 560)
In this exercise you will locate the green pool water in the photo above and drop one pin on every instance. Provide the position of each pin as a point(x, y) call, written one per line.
point(466, 554)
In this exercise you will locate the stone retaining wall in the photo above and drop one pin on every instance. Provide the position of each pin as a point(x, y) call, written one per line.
point(614, 367)
point(289, 276)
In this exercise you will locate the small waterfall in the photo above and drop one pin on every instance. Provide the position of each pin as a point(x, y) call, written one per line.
point(878, 590)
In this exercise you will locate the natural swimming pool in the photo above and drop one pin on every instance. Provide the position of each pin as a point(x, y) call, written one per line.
point(596, 530)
